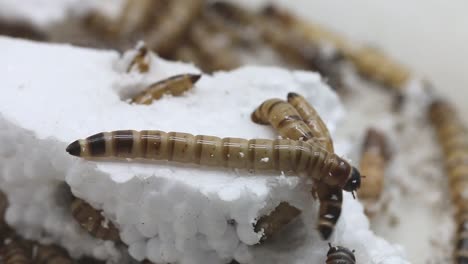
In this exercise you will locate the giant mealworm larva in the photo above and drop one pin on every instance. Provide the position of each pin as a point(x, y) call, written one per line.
point(175, 85)
point(277, 219)
point(288, 121)
point(373, 162)
point(52, 254)
point(340, 255)
point(93, 221)
point(448, 127)
point(286, 155)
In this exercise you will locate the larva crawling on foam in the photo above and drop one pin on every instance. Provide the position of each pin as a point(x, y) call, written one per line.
point(52, 254)
point(175, 85)
point(287, 155)
point(141, 61)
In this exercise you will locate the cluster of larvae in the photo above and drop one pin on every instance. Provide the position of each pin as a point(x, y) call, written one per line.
point(307, 150)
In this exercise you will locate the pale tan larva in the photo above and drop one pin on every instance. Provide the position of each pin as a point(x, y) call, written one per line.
point(452, 136)
point(175, 85)
point(286, 155)
point(288, 120)
point(373, 162)
point(93, 221)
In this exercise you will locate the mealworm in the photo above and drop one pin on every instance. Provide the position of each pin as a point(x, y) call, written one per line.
point(217, 55)
point(141, 61)
point(373, 162)
point(296, 49)
point(340, 255)
point(52, 254)
point(3, 207)
point(175, 85)
point(17, 251)
point(166, 35)
point(277, 219)
point(289, 122)
point(373, 64)
point(448, 127)
point(93, 221)
point(255, 154)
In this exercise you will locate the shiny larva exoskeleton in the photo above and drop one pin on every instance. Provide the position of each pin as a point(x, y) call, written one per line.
point(374, 158)
point(175, 85)
point(306, 159)
point(17, 251)
point(452, 134)
point(93, 221)
point(270, 224)
point(288, 120)
point(52, 254)
point(340, 255)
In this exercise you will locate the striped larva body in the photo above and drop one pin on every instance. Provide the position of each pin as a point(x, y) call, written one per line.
point(310, 116)
point(374, 159)
point(340, 255)
point(281, 154)
point(452, 134)
point(17, 251)
point(51, 254)
point(175, 85)
point(141, 61)
point(289, 122)
point(93, 221)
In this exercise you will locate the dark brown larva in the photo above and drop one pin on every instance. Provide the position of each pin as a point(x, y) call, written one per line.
point(373, 162)
point(452, 136)
point(17, 251)
point(175, 85)
point(52, 254)
point(93, 221)
point(309, 160)
point(340, 255)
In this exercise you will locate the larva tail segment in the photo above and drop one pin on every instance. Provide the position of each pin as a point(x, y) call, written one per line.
point(175, 85)
point(93, 221)
point(141, 61)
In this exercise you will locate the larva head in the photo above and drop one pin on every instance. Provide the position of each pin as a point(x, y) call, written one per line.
point(354, 182)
